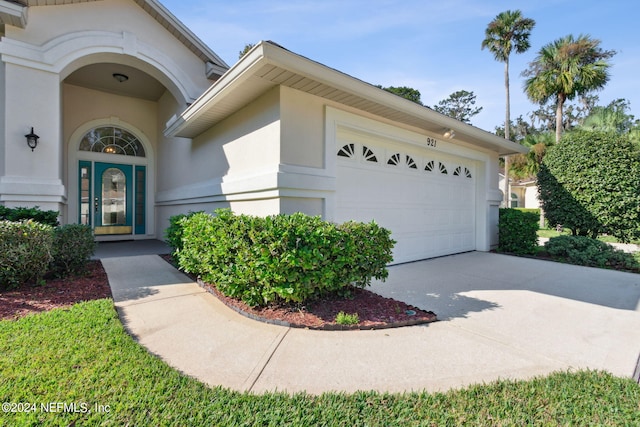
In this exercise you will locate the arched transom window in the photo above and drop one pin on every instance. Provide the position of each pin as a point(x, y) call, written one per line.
point(112, 140)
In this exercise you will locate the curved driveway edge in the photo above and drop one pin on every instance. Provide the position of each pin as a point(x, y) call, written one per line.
point(502, 317)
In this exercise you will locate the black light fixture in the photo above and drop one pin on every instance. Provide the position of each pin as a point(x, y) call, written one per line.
point(121, 78)
point(32, 139)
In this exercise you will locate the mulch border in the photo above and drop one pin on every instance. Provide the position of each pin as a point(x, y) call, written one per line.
point(326, 327)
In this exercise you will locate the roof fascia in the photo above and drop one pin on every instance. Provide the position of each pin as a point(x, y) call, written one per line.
point(268, 53)
point(13, 14)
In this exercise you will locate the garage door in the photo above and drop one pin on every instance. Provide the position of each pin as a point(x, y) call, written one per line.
point(426, 198)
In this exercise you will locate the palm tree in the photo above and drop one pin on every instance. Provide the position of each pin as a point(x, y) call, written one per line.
point(612, 118)
point(526, 166)
point(508, 32)
point(564, 69)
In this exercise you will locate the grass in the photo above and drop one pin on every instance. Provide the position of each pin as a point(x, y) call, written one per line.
point(83, 355)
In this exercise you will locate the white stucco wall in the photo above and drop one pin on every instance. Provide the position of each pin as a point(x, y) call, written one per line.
point(233, 164)
point(531, 197)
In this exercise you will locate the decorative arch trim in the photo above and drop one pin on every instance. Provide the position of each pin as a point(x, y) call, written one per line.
point(69, 52)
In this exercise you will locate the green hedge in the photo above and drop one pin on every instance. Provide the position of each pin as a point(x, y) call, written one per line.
point(21, 214)
point(531, 210)
point(25, 252)
point(582, 250)
point(31, 251)
point(173, 234)
point(517, 231)
point(282, 258)
point(73, 246)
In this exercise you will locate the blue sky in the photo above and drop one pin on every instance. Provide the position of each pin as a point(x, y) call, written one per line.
point(432, 46)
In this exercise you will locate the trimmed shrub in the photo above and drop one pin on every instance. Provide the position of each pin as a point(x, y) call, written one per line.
point(590, 184)
point(73, 246)
point(22, 214)
point(25, 252)
point(517, 231)
point(582, 250)
point(173, 234)
point(288, 258)
point(532, 210)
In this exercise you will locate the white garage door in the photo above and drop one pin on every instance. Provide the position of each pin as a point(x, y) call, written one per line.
point(426, 199)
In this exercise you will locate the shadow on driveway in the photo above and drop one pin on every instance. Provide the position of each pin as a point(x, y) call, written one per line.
point(450, 286)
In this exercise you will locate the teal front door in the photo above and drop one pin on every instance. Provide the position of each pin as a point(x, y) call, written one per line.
point(113, 199)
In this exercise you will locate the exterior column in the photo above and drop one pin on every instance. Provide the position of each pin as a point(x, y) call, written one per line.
point(32, 178)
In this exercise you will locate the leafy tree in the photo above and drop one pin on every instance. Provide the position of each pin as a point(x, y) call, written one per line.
point(564, 69)
point(245, 50)
point(460, 105)
point(405, 92)
point(518, 130)
point(590, 183)
point(574, 113)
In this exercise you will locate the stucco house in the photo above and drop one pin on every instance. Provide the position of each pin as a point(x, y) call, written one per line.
point(139, 120)
point(524, 193)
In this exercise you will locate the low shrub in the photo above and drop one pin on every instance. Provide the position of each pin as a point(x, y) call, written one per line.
point(582, 250)
point(21, 214)
point(284, 257)
point(73, 246)
point(25, 252)
point(173, 233)
point(517, 231)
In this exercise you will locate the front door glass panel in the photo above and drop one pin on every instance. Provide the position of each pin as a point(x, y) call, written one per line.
point(114, 197)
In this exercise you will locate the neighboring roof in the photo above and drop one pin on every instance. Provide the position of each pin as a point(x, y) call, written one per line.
point(13, 12)
point(268, 65)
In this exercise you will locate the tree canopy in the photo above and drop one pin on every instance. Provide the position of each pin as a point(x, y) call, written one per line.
point(405, 92)
point(460, 105)
point(564, 69)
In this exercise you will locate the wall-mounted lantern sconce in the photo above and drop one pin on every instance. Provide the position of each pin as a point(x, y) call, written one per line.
point(32, 139)
point(449, 134)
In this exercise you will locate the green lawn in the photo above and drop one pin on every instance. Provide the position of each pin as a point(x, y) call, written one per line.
point(83, 356)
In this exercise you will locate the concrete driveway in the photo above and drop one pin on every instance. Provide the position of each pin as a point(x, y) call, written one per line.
point(501, 317)
point(563, 315)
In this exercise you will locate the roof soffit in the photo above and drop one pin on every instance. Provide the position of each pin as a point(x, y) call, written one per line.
point(268, 65)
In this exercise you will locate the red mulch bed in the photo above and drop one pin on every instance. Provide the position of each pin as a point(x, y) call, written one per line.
point(56, 293)
point(374, 311)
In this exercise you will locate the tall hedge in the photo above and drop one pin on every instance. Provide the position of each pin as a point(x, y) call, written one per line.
point(517, 231)
point(283, 257)
point(590, 184)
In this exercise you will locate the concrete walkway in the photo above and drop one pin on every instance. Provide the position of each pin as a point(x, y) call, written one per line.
point(501, 317)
